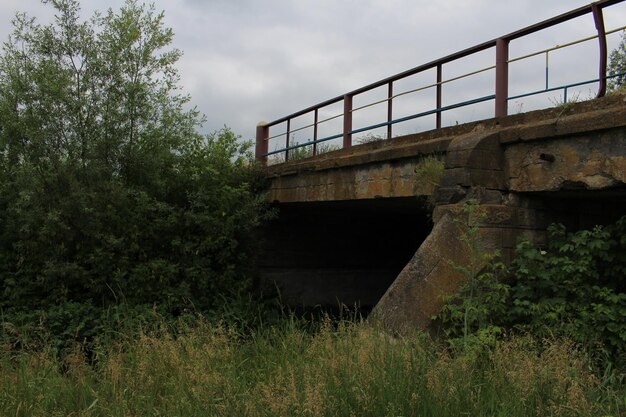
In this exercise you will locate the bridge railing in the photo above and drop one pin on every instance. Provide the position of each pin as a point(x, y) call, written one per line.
point(499, 95)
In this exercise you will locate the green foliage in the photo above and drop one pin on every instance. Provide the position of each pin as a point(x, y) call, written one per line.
point(430, 169)
point(302, 152)
point(617, 65)
point(575, 287)
point(370, 137)
point(108, 195)
point(469, 316)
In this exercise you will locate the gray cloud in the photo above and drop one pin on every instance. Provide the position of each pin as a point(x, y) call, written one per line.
point(246, 61)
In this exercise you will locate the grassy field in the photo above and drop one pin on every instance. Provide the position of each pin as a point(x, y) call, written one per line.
point(339, 370)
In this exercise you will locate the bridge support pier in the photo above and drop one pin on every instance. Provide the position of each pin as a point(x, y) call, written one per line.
point(417, 293)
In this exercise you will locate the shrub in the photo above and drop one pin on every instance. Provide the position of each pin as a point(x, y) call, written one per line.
point(574, 287)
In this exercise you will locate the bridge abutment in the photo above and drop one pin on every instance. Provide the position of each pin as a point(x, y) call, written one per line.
point(565, 165)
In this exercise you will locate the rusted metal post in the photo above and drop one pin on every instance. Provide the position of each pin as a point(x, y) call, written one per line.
point(502, 76)
point(438, 114)
point(347, 121)
point(599, 21)
point(315, 114)
point(389, 109)
point(262, 135)
point(287, 140)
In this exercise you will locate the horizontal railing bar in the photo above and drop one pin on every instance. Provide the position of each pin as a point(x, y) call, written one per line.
point(610, 32)
point(304, 111)
point(301, 128)
point(278, 135)
point(305, 127)
point(469, 74)
point(547, 90)
point(426, 113)
point(330, 118)
point(554, 48)
point(301, 145)
point(385, 100)
point(572, 14)
point(581, 11)
point(415, 90)
point(383, 124)
point(562, 87)
point(440, 110)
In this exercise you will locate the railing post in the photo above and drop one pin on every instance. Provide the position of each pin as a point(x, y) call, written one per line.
point(438, 114)
point(599, 21)
point(347, 121)
point(315, 117)
point(287, 140)
point(262, 135)
point(389, 109)
point(502, 77)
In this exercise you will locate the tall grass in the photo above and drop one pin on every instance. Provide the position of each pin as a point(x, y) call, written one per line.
point(339, 370)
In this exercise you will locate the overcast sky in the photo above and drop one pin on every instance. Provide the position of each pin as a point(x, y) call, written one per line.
point(251, 60)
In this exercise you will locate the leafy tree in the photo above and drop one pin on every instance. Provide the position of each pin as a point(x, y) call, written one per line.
point(107, 191)
point(617, 65)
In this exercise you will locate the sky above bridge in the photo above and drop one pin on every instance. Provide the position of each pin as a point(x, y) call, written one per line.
point(251, 60)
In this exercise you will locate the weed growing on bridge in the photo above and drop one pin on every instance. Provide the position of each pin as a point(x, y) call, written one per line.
point(430, 169)
point(301, 152)
point(370, 138)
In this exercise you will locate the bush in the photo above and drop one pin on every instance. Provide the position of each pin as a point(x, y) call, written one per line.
point(108, 194)
point(575, 287)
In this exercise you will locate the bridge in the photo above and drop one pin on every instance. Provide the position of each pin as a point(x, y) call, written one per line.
point(377, 224)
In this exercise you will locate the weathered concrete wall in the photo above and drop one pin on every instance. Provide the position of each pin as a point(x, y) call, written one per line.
point(384, 169)
point(358, 182)
point(592, 161)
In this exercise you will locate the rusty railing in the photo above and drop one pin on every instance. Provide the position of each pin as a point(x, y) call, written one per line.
point(500, 95)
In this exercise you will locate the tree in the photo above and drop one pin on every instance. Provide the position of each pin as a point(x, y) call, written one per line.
point(107, 190)
point(617, 65)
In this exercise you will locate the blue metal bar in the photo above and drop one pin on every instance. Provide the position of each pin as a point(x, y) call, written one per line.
point(426, 113)
point(562, 87)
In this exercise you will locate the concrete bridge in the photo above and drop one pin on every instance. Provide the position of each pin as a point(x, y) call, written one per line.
point(360, 225)
point(380, 224)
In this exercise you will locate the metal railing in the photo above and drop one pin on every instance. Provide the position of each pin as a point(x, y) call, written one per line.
point(500, 95)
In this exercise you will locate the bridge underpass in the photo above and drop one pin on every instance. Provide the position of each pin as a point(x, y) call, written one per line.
point(322, 254)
